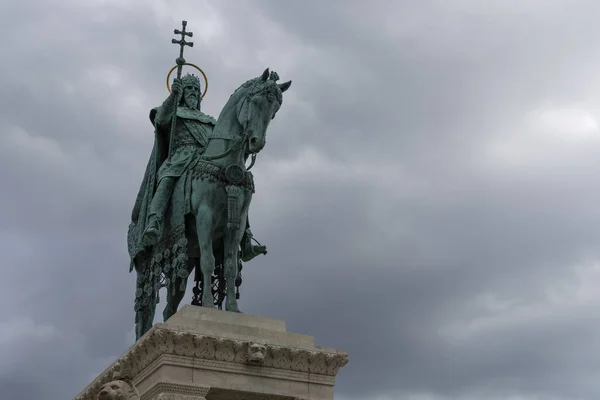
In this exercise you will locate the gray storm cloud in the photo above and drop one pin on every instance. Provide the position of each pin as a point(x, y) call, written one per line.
point(428, 192)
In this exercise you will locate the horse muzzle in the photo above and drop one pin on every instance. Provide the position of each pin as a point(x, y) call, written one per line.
point(255, 144)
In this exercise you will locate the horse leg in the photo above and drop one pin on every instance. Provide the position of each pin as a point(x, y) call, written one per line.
point(233, 237)
point(230, 266)
point(145, 305)
point(144, 318)
point(176, 292)
point(202, 201)
point(204, 229)
point(174, 297)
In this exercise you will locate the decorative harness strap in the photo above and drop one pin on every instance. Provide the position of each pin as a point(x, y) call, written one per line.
point(231, 175)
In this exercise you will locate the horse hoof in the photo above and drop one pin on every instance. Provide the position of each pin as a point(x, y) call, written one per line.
point(208, 304)
point(233, 309)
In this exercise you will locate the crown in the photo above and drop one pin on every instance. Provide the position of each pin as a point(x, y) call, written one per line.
point(190, 79)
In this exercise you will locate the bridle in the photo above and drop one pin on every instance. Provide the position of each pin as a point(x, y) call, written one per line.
point(243, 137)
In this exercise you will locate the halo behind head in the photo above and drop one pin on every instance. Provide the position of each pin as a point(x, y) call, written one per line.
point(191, 65)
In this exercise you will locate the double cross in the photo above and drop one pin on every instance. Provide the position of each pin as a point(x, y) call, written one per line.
point(182, 43)
point(180, 63)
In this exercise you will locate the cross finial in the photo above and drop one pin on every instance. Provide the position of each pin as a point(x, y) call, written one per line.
point(182, 43)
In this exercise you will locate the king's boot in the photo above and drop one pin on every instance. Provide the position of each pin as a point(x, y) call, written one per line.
point(250, 251)
point(158, 206)
point(152, 231)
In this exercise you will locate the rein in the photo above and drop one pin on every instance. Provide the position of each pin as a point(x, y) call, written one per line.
point(252, 162)
point(236, 146)
point(226, 152)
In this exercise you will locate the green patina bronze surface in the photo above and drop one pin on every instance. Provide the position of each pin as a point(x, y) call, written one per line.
point(192, 207)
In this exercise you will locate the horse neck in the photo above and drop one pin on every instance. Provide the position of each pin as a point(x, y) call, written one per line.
point(227, 126)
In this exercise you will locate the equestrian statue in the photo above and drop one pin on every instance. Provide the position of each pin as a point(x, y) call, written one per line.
point(191, 211)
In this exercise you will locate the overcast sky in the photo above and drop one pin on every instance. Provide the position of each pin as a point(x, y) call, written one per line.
point(429, 192)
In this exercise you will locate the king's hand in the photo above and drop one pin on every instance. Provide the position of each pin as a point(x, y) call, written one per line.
point(176, 86)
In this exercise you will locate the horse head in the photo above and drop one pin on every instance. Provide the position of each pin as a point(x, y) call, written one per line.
point(262, 98)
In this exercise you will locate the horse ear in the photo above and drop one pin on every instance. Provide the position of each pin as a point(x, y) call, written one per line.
point(265, 75)
point(285, 86)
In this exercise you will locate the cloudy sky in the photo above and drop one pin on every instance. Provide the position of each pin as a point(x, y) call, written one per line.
point(429, 192)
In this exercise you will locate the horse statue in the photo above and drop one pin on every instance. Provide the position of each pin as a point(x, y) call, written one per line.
point(202, 190)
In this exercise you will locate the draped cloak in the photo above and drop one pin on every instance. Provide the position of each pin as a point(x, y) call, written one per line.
point(192, 131)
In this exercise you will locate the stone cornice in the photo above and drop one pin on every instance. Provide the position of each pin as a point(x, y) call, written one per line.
point(225, 366)
point(220, 351)
point(165, 391)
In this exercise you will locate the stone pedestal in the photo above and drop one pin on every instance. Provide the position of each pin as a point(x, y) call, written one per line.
point(202, 353)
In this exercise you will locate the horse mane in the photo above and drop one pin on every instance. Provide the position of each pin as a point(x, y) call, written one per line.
point(252, 87)
point(257, 85)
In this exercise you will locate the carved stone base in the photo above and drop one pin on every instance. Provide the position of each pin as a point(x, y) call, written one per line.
point(207, 354)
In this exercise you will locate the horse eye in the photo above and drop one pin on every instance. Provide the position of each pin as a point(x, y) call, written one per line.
point(271, 97)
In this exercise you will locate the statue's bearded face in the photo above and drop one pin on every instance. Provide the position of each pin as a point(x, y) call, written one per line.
point(115, 390)
point(191, 95)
